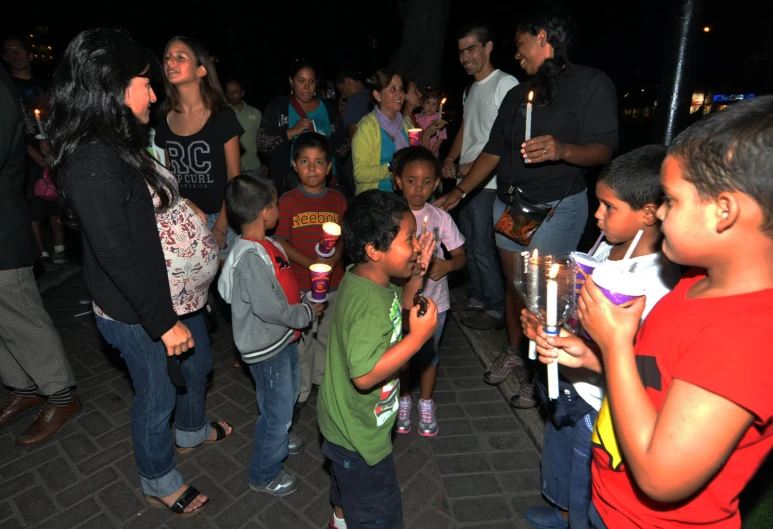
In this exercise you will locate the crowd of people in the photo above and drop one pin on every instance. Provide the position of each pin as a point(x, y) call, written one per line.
point(662, 418)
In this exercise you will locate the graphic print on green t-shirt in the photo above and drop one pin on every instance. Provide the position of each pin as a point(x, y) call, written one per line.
point(388, 405)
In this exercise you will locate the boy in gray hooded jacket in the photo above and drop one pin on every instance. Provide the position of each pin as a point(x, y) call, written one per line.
point(266, 311)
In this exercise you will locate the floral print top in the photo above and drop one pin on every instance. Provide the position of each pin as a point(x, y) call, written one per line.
point(190, 250)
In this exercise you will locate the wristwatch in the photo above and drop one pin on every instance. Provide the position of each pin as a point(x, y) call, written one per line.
point(464, 194)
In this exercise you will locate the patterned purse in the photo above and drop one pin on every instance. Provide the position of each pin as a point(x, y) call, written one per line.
point(522, 217)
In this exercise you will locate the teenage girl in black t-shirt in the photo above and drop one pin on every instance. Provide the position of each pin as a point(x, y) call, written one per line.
point(199, 132)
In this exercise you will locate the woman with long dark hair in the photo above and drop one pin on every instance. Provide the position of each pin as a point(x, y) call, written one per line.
point(199, 133)
point(290, 115)
point(148, 257)
point(573, 127)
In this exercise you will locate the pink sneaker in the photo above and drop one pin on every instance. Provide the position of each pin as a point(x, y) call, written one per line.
point(427, 420)
point(403, 425)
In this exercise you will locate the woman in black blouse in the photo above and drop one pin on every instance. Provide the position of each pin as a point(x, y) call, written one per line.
point(574, 127)
point(130, 214)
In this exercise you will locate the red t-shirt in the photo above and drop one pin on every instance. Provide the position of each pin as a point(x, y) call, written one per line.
point(301, 216)
point(722, 345)
point(283, 274)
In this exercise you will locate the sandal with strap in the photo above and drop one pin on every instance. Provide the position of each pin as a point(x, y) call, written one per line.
point(182, 502)
point(221, 436)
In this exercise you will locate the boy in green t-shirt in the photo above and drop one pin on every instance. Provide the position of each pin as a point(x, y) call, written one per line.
point(358, 398)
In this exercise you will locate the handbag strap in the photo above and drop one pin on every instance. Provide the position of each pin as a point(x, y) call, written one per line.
point(297, 107)
point(512, 172)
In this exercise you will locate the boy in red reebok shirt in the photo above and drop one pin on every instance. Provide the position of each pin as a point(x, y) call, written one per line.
point(692, 401)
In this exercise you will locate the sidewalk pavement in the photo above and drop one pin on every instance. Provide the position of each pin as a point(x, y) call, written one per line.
point(482, 470)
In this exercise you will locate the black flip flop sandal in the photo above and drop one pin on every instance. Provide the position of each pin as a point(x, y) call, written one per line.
point(221, 436)
point(179, 506)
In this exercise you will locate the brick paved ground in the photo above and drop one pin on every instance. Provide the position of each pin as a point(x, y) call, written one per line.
point(482, 471)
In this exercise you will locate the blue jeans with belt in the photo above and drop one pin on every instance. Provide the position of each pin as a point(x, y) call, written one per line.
point(561, 234)
point(156, 398)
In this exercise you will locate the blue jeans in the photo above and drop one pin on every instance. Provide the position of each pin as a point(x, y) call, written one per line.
point(560, 234)
point(566, 468)
point(487, 285)
point(595, 518)
point(156, 398)
point(230, 236)
point(278, 384)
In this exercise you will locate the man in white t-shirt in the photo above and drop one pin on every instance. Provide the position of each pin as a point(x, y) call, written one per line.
point(486, 302)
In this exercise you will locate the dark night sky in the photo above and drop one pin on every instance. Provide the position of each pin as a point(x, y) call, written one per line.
point(256, 41)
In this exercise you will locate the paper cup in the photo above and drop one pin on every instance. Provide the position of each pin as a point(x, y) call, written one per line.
point(331, 232)
point(320, 281)
point(414, 137)
point(617, 284)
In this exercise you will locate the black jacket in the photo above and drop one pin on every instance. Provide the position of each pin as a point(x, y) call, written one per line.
point(123, 261)
point(273, 143)
point(16, 238)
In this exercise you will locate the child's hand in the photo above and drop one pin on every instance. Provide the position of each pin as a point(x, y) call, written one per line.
point(435, 126)
point(424, 327)
point(427, 243)
point(569, 349)
point(605, 322)
point(530, 325)
point(439, 268)
point(319, 308)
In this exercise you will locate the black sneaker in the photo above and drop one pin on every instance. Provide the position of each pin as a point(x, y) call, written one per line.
point(48, 264)
point(527, 393)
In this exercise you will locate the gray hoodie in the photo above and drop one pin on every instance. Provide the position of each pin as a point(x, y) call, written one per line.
point(263, 321)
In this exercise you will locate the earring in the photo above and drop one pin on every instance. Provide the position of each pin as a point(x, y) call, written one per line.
point(725, 214)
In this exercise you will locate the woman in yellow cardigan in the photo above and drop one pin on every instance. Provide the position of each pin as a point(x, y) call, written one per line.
point(380, 134)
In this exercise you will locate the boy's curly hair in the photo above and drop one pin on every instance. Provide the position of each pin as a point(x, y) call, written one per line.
point(374, 218)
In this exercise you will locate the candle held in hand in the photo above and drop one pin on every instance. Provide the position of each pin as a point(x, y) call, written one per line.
point(531, 292)
point(424, 224)
point(528, 116)
point(551, 328)
point(40, 123)
point(331, 232)
point(440, 112)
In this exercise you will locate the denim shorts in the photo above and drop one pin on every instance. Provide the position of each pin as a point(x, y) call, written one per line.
point(560, 234)
point(566, 468)
point(369, 495)
point(428, 354)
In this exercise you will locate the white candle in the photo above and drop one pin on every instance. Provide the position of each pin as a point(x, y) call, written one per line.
point(552, 328)
point(440, 113)
point(528, 116)
point(40, 124)
point(531, 291)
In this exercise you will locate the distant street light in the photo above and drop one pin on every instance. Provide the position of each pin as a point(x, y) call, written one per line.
point(706, 29)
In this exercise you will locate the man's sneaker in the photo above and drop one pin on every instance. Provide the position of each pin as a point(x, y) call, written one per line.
point(404, 415)
point(283, 485)
point(48, 264)
point(427, 420)
point(527, 393)
point(482, 321)
point(60, 258)
point(294, 443)
point(503, 365)
point(545, 517)
point(466, 304)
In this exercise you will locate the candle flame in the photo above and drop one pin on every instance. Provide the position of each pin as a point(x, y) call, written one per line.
point(425, 219)
point(37, 112)
point(554, 271)
point(535, 256)
point(443, 102)
point(531, 96)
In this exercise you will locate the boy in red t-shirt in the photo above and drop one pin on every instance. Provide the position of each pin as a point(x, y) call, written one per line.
point(692, 401)
point(266, 313)
point(302, 212)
